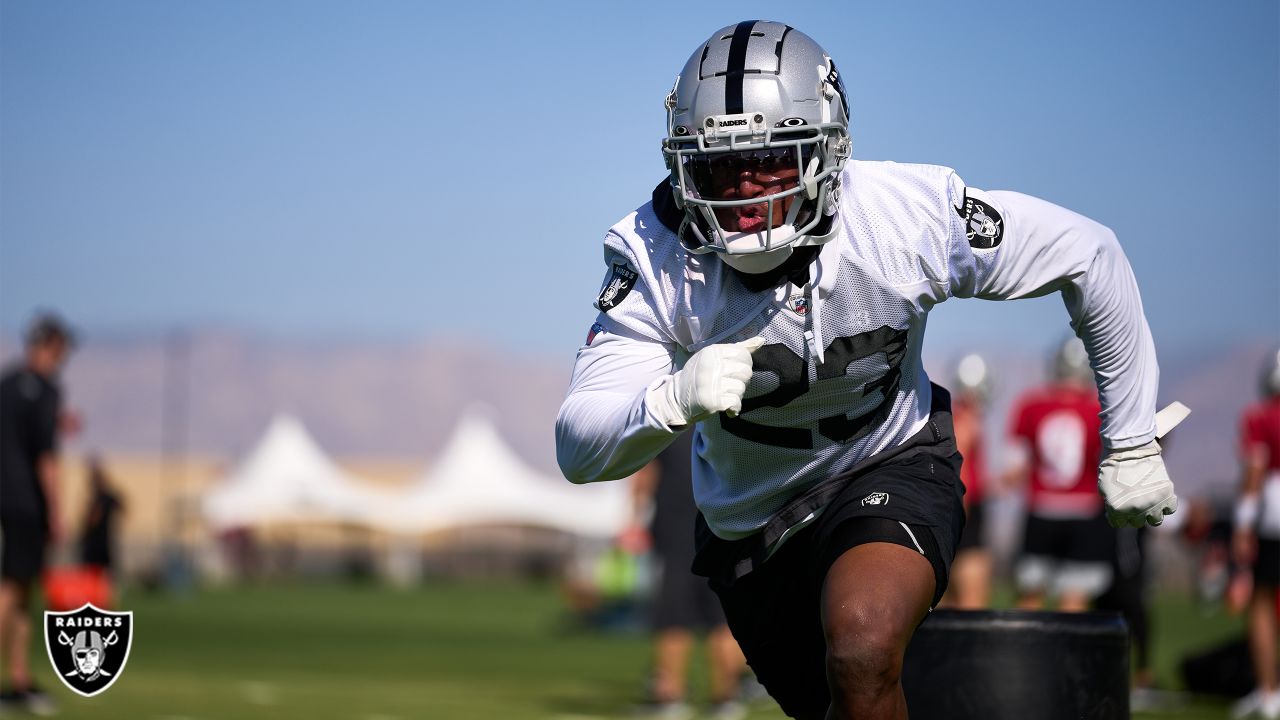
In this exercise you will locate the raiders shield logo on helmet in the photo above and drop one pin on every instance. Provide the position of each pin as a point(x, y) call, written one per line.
point(88, 647)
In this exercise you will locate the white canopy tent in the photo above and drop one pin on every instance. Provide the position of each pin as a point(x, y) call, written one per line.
point(288, 478)
point(479, 480)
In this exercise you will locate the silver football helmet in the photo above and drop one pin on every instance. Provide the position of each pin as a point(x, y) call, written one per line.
point(757, 133)
point(1270, 377)
point(1071, 362)
point(973, 376)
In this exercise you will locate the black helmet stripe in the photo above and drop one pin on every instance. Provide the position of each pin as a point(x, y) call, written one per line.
point(737, 67)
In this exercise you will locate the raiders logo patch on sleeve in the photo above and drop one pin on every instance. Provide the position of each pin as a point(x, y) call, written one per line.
point(983, 225)
point(621, 280)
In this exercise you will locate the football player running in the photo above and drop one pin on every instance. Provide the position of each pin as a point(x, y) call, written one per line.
point(1256, 539)
point(1066, 544)
point(771, 298)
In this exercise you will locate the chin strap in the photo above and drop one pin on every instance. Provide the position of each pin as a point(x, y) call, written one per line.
point(795, 270)
point(758, 263)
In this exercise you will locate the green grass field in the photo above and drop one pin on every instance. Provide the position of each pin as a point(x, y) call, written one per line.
point(451, 651)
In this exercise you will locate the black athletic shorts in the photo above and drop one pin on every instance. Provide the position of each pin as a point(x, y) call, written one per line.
point(22, 544)
point(935, 502)
point(912, 497)
point(971, 537)
point(774, 611)
point(1266, 567)
point(1090, 540)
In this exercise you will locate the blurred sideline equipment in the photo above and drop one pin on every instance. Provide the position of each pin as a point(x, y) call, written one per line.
point(1017, 665)
point(68, 588)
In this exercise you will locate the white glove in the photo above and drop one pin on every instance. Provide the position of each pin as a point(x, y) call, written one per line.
point(1135, 486)
point(713, 380)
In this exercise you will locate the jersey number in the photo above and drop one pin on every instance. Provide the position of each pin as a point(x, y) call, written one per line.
point(793, 381)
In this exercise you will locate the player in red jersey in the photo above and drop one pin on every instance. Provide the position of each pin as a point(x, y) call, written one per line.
point(1067, 544)
point(1256, 541)
point(970, 587)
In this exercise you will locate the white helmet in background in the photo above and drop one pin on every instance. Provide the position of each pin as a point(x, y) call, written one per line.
point(1071, 362)
point(973, 376)
point(756, 95)
point(1271, 374)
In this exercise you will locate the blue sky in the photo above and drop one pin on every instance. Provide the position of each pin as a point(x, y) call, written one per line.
point(399, 170)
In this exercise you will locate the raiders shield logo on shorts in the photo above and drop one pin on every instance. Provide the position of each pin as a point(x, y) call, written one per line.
point(88, 647)
point(876, 498)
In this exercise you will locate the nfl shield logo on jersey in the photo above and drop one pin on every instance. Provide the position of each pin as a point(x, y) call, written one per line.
point(88, 647)
point(798, 304)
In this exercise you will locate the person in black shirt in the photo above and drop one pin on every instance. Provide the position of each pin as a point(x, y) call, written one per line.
point(30, 403)
point(683, 604)
point(97, 544)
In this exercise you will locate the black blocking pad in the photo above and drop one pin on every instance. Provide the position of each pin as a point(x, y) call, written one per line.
point(1015, 664)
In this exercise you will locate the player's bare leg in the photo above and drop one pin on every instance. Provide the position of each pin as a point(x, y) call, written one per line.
point(970, 585)
point(874, 596)
point(671, 662)
point(1262, 637)
point(1071, 601)
point(8, 605)
point(19, 641)
point(15, 632)
point(1031, 601)
point(727, 663)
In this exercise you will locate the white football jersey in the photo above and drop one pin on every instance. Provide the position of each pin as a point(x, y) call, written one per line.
point(840, 376)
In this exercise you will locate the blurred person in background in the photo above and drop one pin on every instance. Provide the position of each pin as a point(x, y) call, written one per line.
point(101, 520)
point(1067, 544)
point(970, 587)
point(771, 299)
point(1256, 540)
point(30, 408)
point(682, 604)
point(1128, 594)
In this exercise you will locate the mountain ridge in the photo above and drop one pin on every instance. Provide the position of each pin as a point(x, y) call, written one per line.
point(214, 391)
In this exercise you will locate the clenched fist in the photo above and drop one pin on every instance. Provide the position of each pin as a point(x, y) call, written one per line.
point(1135, 486)
point(712, 381)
